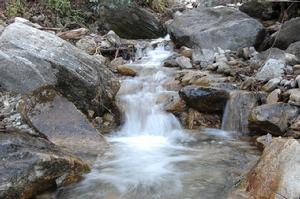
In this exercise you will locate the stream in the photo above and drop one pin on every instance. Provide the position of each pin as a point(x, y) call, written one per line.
point(152, 156)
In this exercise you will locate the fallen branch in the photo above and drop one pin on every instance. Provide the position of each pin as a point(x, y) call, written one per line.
point(73, 34)
point(48, 28)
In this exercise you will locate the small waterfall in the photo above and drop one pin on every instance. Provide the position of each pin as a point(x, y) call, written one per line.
point(237, 110)
point(144, 115)
point(143, 154)
point(152, 157)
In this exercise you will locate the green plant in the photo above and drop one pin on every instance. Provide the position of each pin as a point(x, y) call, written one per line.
point(14, 7)
point(63, 8)
point(158, 5)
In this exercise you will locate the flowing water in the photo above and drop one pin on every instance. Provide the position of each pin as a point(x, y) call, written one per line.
point(152, 156)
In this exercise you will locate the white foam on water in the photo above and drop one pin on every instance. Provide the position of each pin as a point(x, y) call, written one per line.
point(149, 157)
point(144, 151)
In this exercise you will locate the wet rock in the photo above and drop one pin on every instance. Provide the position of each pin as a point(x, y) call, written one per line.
point(295, 97)
point(272, 118)
point(288, 34)
point(185, 51)
point(171, 102)
point(193, 119)
point(238, 109)
point(172, 85)
point(87, 44)
point(118, 61)
point(206, 27)
point(176, 106)
point(125, 70)
point(31, 58)
point(53, 115)
point(171, 62)
point(184, 62)
point(167, 97)
point(271, 85)
point(106, 124)
point(274, 96)
point(271, 69)
point(30, 165)
point(203, 99)
point(276, 175)
point(129, 88)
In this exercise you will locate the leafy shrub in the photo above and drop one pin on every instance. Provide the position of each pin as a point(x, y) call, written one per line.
point(60, 8)
point(14, 7)
point(157, 5)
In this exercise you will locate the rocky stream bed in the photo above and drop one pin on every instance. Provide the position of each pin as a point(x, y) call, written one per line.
point(208, 110)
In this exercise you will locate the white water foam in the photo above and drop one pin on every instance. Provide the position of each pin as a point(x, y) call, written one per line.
point(150, 157)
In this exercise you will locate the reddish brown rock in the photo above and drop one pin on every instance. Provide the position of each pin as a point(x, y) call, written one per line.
point(125, 70)
point(276, 175)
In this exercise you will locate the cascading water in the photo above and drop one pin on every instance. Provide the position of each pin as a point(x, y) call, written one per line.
point(152, 157)
point(143, 115)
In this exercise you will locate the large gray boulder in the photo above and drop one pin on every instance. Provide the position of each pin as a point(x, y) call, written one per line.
point(210, 28)
point(50, 113)
point(29, 162)
point(129, 20)
point(205, 99)
point(288, 34)
point(31, 58)
point(30, 165)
